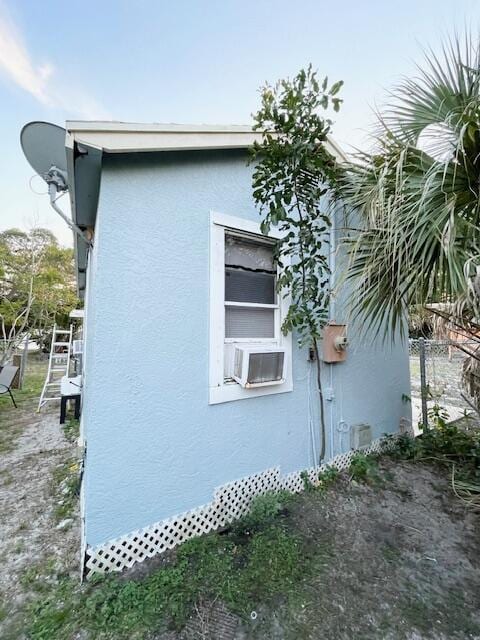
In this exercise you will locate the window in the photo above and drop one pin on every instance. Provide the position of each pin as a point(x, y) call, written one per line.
point(245, 309)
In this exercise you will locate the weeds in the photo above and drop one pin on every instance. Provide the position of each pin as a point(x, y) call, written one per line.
point(327, 478)
point(445, 443)
point(402, 448)
point(264, 510)
point(260, 568)
point(270, 565)
point(451, 446)
point(71, 430)
point(438, 417)
point(307, 483)
point(66, 488)
point(364, 468)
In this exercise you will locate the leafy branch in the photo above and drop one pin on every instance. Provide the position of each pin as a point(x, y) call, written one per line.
point(293, 177)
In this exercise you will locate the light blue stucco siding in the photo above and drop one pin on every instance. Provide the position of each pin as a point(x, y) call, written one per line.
point(155, 447)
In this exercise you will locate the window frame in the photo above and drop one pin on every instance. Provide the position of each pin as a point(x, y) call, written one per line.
point(221, 390)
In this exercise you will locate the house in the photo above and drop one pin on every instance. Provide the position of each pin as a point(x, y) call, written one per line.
point(178, 282)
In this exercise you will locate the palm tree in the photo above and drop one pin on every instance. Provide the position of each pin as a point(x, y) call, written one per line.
point(416, 197)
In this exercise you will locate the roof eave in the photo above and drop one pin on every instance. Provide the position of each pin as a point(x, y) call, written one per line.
point(121, 137)
point(87, 141)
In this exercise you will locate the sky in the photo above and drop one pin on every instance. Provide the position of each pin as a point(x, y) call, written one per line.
point(195, 61)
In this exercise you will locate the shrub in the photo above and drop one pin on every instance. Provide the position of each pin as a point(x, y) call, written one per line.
point(327, 478)
point(364, 468)
point(264, 510)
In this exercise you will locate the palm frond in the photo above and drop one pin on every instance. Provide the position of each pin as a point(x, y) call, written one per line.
point(419, 210)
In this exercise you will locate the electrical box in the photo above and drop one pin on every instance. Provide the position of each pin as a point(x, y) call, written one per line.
point(360, 436)
point(334, 342)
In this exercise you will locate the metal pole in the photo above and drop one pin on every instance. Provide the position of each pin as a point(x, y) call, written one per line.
point(423, 383)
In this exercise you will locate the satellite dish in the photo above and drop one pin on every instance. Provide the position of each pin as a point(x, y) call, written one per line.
point(43, 144)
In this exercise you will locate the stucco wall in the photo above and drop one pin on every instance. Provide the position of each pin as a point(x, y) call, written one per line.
point(155, 447)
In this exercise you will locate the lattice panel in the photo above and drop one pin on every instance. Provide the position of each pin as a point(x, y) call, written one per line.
point(233, 499)
point(230, 502)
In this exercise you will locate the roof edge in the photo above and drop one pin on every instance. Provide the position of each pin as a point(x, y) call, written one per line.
point(126, 137)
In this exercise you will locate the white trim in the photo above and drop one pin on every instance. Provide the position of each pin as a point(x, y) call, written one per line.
point(254, 305)
point(112, 125)
point(219, 389)
point(128, 137)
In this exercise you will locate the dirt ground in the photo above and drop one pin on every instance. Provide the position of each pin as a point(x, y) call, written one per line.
point(399, 560)
point(32, 534)
point(404, 560)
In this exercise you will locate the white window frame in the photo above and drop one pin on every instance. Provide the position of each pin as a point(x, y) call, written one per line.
point(221, 390)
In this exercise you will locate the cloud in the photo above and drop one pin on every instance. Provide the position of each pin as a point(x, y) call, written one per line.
point(41, 80)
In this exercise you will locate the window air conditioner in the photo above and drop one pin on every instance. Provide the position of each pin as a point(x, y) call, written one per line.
point(259, 366)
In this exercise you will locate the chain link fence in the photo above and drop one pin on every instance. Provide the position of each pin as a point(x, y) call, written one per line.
point(442, 362)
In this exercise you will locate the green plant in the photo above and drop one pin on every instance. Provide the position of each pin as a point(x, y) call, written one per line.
point(274, 568)
point(293, 175)
point(403, 448)
point(268, 567)
point(327, 477)
point(71, 429)
point(66, 488)
point(447, 444)
point(264, 510)
point(417, 196)
point(364, 468)
point(438, 416)
point(307, 483)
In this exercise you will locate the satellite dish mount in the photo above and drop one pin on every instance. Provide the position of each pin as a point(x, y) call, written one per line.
point(44, 147)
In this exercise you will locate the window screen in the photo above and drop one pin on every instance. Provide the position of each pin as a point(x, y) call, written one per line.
point(250, 280)
point(249, 322)
point(249, 286)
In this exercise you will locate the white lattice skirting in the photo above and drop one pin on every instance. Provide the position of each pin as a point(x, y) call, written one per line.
point(230, 502)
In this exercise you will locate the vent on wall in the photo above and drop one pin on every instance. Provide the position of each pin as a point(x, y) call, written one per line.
point(360, 436)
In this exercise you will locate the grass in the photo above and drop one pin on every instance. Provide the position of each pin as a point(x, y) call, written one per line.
point(10, 426)
point(238, 567)
point(71, 430)
point(260, 562)
point(66, 488)
point(32, 386)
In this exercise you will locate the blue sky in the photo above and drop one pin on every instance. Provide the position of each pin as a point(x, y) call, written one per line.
point(196, 62)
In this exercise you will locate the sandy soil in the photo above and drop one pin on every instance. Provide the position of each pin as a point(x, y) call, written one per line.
point(29, 533)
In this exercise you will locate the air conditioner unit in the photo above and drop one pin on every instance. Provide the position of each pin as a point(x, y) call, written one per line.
point(259, 366)
point(77, 347)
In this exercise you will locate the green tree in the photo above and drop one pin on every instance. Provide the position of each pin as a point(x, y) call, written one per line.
point(417, 196)
point(293, 175)
point(37, 286)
